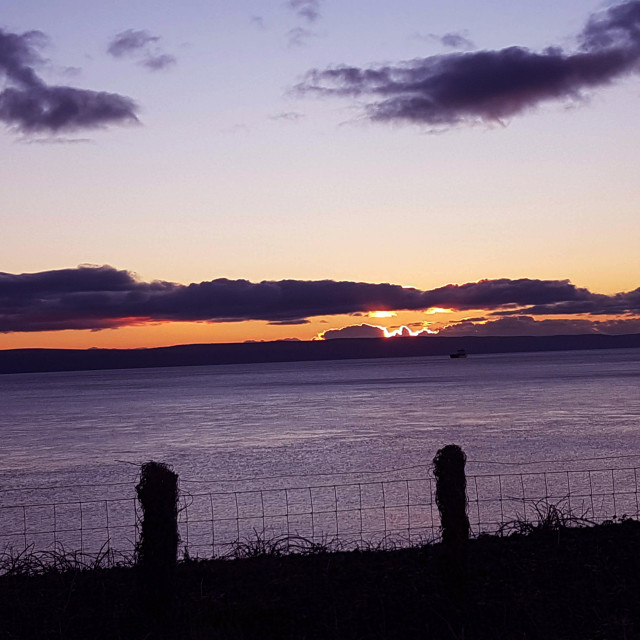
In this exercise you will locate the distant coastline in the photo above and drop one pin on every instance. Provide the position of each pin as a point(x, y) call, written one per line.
point(47, 360)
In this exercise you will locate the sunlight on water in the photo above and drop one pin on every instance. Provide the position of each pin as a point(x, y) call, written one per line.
point(252, 420)
point(326, 450)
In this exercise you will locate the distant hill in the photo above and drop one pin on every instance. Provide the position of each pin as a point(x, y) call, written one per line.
point(39, 360)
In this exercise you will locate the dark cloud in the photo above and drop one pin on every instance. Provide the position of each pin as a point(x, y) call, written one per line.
point(528, 326)
point(141, 45)
point(492, 294)
point(355, 331)
point(372, 331)
point(594, 304)
point(90, 297)
point(29, 105)
point(293, 321)
point(53, 109)
point(307, 9)
point(483, 86)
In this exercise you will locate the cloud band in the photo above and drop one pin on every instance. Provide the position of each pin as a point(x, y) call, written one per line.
point(484, 86)
point(101, 297)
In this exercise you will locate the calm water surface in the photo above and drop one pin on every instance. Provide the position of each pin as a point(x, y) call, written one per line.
point(236, 421)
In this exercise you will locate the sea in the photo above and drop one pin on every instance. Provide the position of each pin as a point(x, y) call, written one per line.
point(260, 420)
point(254, 427)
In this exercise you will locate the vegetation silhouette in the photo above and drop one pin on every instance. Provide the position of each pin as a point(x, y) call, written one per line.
point(573, 583)
point(558, 576)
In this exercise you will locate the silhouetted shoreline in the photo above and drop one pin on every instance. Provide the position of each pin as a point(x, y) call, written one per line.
point(43, 360)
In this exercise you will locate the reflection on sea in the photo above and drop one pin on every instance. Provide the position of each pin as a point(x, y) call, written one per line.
point(238, 421)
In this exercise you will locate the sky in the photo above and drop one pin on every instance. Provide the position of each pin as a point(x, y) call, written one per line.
point(216, 171)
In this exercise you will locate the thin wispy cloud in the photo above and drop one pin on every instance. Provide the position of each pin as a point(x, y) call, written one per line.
point(309, 10)
point(454, 89)
point(298, 36)
point(451, 40)
point(130, 41)
point(57, 140)
point(158, 62)
point(31, 106)
point(288, 116)
point(455, 41)
point(69, 72)
point(257, 22)
point(142, 46)
point(100, 297)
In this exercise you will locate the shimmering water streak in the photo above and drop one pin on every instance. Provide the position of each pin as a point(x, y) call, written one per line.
point(242, 421)
point(286, 447)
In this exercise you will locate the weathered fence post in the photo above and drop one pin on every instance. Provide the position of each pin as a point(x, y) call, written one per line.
point(451, 498)
point(157, 548)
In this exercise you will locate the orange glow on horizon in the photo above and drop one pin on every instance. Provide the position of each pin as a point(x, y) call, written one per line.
point(160, 334)
point(434, 310)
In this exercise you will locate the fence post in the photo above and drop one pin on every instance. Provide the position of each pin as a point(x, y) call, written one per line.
point(451, 498)
point(157, 548)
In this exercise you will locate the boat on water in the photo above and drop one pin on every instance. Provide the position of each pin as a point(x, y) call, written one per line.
point(460, 353)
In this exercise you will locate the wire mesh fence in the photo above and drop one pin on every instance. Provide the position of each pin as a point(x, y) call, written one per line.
point(345, 515)
point(373, 513)
point(584, 496)
point(88, 528)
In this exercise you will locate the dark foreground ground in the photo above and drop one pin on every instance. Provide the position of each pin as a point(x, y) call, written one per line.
point(551, 584)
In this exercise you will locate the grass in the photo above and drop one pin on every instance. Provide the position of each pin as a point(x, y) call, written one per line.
point(29, 562)
point(548, 516)
point(544, 580)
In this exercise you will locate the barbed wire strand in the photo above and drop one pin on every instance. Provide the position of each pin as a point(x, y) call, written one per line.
point(410, 468)
point(325, 473)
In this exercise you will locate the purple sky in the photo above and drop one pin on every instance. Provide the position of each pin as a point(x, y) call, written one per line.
point(263, 165)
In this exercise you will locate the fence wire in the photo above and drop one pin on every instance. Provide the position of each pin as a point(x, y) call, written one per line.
point(90, 528)
point(380, 513)
point(345, 515)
